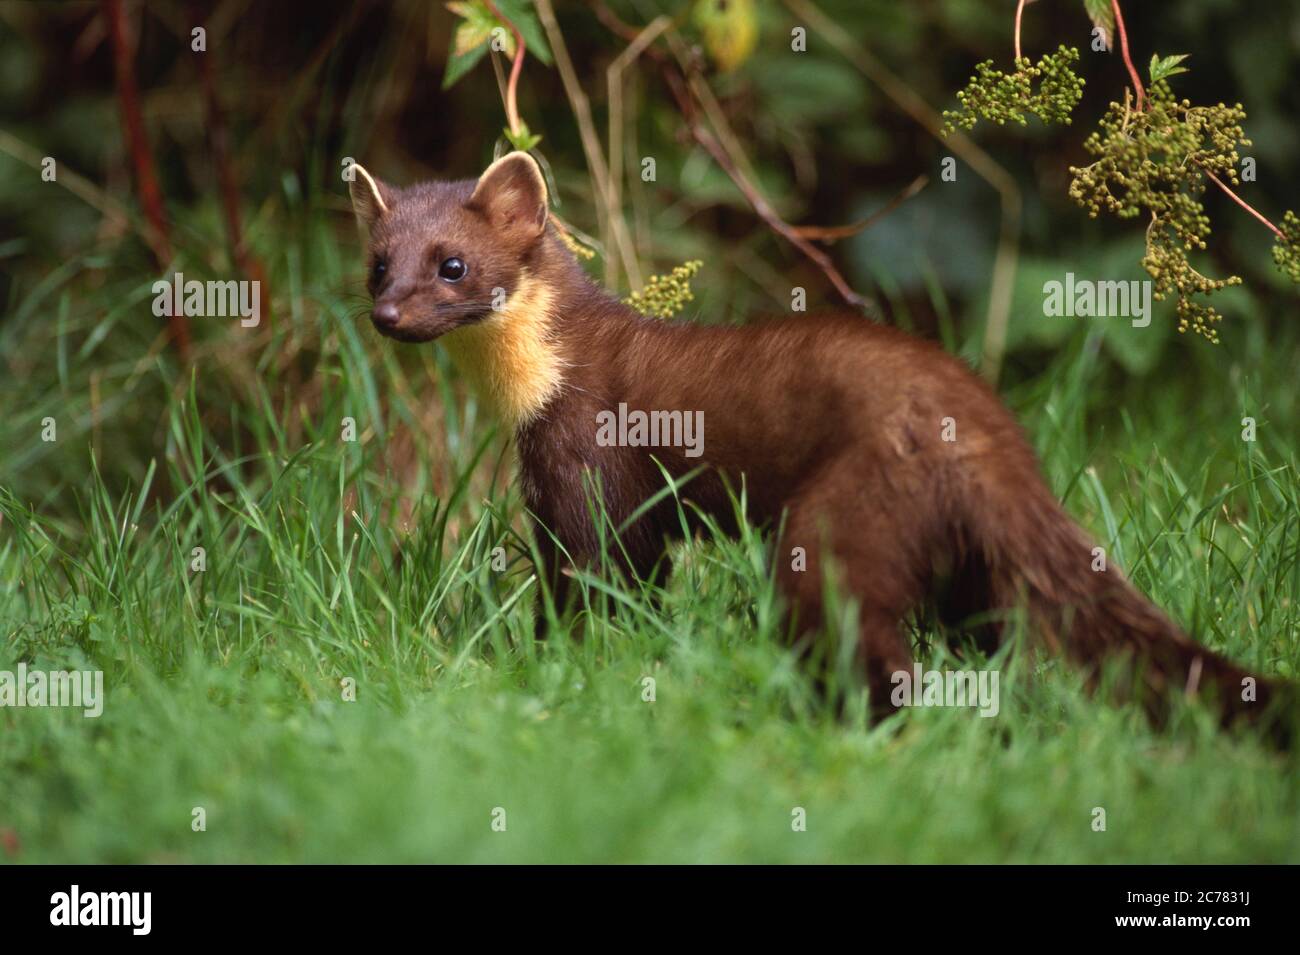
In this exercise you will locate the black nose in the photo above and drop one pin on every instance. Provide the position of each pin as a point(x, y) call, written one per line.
point(385, 315)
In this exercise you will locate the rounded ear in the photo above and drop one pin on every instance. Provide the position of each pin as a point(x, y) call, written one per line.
point(512, 194)
point(370, 197)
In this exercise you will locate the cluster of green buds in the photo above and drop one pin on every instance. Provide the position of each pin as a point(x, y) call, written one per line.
point(1049, 90)
point(1286, 252)
point(1157, 162)
point(665, 295)
point(1166, 262)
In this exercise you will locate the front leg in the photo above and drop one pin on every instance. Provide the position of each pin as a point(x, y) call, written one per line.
point(638, 555)
point(552, 580)
point(567, 496)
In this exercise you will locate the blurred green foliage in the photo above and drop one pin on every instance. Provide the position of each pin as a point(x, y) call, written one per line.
point(365, 80)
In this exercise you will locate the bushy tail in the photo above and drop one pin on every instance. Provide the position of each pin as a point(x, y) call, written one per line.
point(1083, 608)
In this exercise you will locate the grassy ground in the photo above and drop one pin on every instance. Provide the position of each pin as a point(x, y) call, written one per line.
point(371, 561)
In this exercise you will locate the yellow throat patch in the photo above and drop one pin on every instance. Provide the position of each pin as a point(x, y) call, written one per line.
point(508, 356)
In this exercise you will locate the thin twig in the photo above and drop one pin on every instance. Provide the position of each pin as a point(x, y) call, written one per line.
point(693, 94)
point(639, 214)
point(611, 218)
point(500, 76)
point(1242, 202)
point(612, 22)
point(512, 86)
point(984, 166)
point(614, 81)
point(1128, 60)
point(760, 205)
point(227, 182)
point(833, 233)
point(141, 158)
point(703, 93)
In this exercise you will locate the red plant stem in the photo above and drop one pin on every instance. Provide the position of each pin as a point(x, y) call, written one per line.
point(517, 67)
point(1242, 202)
point(1020, 9)
point(137, 141)
point(221, 155)
point(226, 180)
point(1128, 60)
point(1137, 88)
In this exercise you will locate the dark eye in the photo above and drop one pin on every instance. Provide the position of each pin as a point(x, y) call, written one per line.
point(378, 269)
point(453, 269)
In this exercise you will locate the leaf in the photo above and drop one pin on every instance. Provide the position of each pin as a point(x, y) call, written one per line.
point(468, 37)
point(520, 13)
point(1166, 67)
point(476, 27)
point(458, 66)
point(730, 30)
point(470, 41)
point(1102, 14)
point(524, 140)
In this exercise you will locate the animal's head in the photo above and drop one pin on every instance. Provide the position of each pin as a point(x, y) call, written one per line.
point(447, 254)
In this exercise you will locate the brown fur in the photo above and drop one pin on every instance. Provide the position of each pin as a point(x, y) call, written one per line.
point(833, 424)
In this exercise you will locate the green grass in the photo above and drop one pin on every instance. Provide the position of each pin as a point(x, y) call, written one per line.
point(371, 560)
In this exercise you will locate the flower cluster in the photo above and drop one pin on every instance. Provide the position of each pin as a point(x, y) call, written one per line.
point(1158, 162)
point(1286, 253)
point(1049, 89)
point(666, 295)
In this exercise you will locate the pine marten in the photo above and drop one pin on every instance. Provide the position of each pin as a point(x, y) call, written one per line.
point(869, 448)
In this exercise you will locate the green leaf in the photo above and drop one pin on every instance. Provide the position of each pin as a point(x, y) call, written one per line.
point(470, 41)
point(1166, 67)
point(458, 66)
point(1102, 14)
point(524, 140)
point(520, 13)
point(468, 37)
point(476, 28)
